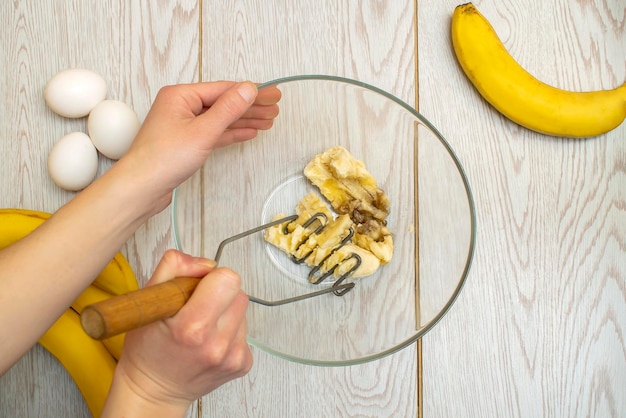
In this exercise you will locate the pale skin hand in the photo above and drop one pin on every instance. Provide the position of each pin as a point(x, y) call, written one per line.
point(165, 366)
point(182, 147)
point(53, 265)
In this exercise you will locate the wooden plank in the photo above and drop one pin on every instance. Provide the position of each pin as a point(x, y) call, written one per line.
point(137, 47)
point(538, 330)
point(373, 43)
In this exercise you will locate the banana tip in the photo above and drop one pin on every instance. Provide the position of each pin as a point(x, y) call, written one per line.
point(468, 8)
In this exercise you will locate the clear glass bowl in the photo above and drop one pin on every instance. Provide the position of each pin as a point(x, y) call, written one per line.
point(432, 219)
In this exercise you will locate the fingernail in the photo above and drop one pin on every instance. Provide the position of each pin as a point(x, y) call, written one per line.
point(205, 261)
point(247, 91)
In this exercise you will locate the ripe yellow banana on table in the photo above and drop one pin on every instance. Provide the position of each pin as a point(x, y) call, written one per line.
point(521, 97)
point(93, 295)
point(89, 362)
point(117, 277)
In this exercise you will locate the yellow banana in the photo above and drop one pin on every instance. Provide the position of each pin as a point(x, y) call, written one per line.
point(89, 362)
point(85, 359)
point(520, 96)
point(15, 224)
point(90, 296)
point(117, 277)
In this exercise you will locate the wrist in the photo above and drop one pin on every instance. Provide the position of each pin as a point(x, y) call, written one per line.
point(133, 399)
point(145, 182)
point(139, 186)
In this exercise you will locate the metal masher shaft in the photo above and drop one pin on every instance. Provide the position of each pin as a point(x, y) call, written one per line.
point(220, 248)
point(340, 288)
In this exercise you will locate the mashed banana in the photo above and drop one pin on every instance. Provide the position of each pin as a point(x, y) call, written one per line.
point(362, 209)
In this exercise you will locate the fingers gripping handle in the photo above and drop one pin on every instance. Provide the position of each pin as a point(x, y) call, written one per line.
point(136, 309)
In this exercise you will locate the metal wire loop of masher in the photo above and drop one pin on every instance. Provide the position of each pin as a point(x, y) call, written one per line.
point(338, 288)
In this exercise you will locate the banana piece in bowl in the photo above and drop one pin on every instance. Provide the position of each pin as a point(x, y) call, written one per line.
point(348, 186)
point(330, 243)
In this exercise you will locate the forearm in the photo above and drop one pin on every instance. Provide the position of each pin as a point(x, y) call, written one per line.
point(43, 273)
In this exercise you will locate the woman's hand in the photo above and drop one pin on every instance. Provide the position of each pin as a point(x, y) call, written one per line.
point(166, 365)
point(187, 121)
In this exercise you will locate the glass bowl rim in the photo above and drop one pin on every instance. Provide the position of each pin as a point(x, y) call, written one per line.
point(472, 244)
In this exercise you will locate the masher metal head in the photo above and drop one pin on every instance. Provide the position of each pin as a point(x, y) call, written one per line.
point(338, 288)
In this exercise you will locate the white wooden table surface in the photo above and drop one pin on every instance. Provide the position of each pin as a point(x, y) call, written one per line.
point(539, 329)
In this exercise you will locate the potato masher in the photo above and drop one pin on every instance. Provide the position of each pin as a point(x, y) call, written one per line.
point(135, 309)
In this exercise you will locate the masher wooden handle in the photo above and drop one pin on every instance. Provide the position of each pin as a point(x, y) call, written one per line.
point(136, 309)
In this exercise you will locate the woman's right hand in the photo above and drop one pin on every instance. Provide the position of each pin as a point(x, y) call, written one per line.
point(166, 365)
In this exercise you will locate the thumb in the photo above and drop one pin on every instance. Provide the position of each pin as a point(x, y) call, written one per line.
point(229, 107)
point(177, 264)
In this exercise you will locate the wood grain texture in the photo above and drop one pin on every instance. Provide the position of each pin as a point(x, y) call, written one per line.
point(539, 329)
point(137, 47)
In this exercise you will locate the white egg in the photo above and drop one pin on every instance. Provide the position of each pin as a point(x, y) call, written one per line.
point(112, 127)
point(73, 161)
point(75, 92)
